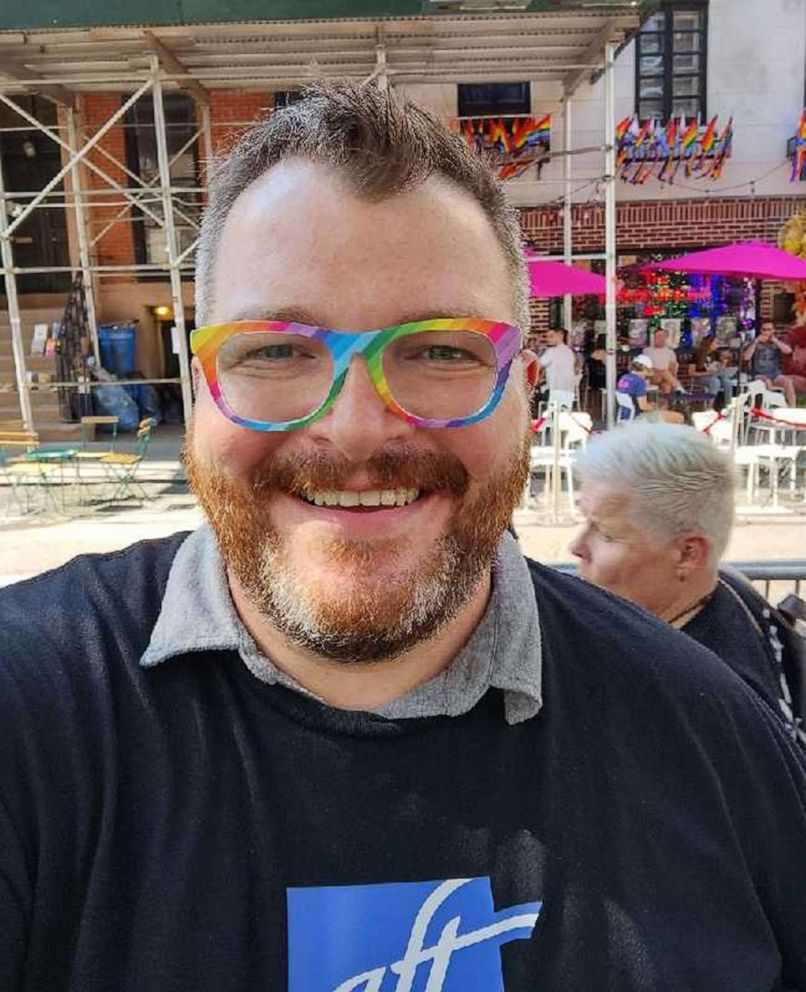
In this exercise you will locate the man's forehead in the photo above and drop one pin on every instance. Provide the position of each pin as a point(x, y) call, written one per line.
point(300, 239)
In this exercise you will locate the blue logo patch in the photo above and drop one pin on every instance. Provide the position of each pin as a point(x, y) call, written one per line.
point(442, 936)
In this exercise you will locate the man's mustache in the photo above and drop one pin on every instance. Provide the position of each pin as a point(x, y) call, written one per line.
point(401, 469)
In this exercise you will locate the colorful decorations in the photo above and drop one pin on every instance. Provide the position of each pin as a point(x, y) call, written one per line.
point(657, 296)
point(792, 236)
point(514, 143)
point(799, 154)
point(657, 149)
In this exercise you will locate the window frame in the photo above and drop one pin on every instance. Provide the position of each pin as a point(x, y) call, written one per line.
point(522, 107)
point(133, 162)
point(667, 76)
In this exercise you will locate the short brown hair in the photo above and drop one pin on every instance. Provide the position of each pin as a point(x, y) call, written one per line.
point(381, 143)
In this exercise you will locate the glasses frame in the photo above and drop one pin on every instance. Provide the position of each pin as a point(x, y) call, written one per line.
point(206, 343)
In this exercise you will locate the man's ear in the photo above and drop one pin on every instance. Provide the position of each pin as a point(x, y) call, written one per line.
point(197, 376)
point(531, 366)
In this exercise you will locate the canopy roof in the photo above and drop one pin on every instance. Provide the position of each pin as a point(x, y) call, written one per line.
point(557, 279)
point(746, 258)
point(432, 43)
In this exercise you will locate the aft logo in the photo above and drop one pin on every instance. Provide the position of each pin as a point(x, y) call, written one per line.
point(442, 936)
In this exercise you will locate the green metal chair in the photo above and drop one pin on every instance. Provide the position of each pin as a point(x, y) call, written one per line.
point(23, 477)
point(122, 468)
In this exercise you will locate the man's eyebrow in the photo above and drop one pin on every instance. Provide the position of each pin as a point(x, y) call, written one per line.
point(299, 315)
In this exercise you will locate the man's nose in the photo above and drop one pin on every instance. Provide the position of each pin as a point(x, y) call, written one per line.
point(359, 423)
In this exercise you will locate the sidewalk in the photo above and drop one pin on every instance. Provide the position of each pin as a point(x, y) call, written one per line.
point(32, 544)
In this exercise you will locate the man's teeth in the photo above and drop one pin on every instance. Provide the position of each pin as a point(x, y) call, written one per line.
point(371, 497)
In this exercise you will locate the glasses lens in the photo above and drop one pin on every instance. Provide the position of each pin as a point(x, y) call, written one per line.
point(274, 377)
point(441, 375)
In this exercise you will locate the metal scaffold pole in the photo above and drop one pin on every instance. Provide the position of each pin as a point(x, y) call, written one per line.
point(17, 345)
point(170, 239)
point(567, 214)
point(207, 140)
point(82, 233)
point(610, 230)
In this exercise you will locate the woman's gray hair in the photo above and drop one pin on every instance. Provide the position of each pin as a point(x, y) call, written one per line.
point(382, 144)
point(677, 480)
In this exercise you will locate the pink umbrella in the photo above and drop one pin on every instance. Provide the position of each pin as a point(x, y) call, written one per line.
point(754, 259)
point(556, 279)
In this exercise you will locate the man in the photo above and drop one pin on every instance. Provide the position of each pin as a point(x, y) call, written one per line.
point(344, 737)
point(764, 355)
point(664, 364)
point(559, 363)
point(658, 502)
point(633, 383)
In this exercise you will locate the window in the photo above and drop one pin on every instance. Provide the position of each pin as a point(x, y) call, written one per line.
point(141, 153)
point(285, 98)
point(670, 56)
point(493, 99)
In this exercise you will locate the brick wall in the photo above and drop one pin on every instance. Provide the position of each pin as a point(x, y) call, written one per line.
point(654, 224)
point(116, 247)
point(230, 111)
point(677, 225)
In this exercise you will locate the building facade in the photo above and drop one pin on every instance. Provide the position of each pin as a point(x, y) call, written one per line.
point(686, 60)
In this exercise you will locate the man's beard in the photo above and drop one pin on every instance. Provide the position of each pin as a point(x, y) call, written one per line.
point(366, 618)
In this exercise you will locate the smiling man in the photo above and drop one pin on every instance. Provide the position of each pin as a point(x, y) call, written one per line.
point(344, 736)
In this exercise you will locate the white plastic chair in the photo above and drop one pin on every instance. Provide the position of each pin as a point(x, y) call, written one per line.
point(624, 402)
point(564, 398)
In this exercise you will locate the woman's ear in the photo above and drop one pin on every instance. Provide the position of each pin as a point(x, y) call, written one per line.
point(694, 552)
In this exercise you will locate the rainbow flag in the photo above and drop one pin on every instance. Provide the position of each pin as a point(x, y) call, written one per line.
point(799, 158)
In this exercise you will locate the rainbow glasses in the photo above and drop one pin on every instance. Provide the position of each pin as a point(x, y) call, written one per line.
point(279, 376)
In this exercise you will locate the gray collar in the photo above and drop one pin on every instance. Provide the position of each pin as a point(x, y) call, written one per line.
point(504, 652)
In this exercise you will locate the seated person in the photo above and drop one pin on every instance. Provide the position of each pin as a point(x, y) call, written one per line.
point(633, 383)
point(712, 368)
point(596, 364)
point(559, 363)
point(664, 364)
point(794, 365)
point(658, 501)
point(764, 355)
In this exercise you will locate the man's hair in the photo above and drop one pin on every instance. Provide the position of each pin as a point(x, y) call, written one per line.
point(381, 144)
point(561, 331)
point(678, 481)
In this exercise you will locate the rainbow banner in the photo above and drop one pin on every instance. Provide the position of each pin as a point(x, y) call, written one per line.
point(660, 149)
point(514, 144)
point(799, 158)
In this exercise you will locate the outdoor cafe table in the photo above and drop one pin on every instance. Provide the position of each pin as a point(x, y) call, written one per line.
point(48, 458)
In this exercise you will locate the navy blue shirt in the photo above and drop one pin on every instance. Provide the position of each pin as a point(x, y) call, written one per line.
point(189, 828)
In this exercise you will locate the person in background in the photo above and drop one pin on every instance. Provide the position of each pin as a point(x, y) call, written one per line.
point(794, 365)
point(658, 501)
point(634, 384)
point(764, 355)
point(664, 364)
point(559, 363)
point(712, 371)
point(596, 364)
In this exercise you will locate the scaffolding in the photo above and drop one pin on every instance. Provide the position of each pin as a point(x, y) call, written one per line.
point(568, 46)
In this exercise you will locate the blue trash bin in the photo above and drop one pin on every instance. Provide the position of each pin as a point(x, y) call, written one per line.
point(118, 346)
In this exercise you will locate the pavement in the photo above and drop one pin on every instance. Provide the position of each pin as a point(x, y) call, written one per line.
point(33, 543)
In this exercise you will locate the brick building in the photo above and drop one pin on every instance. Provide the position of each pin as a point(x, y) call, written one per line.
point(689, 58)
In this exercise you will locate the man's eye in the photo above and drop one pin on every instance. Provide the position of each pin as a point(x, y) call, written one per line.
point(445, 353)
point(272, 352)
